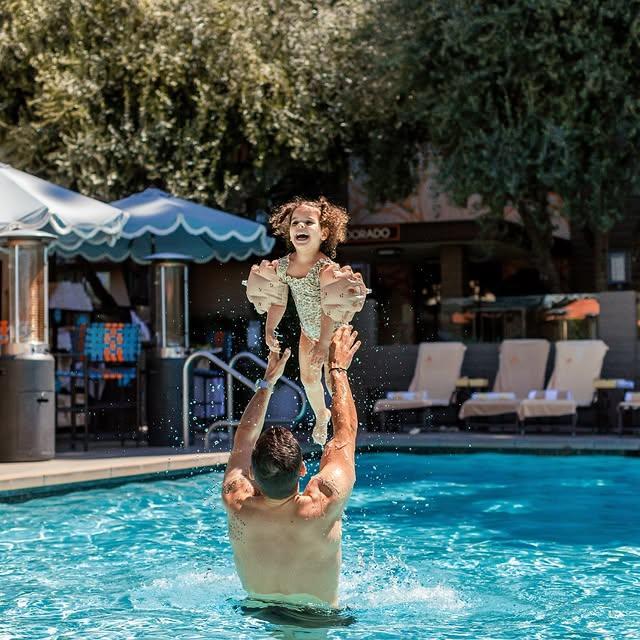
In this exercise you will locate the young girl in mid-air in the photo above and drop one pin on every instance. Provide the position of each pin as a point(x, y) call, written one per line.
point(326, 296)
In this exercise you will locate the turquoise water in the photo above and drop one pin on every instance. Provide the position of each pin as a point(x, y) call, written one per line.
point(451, 546)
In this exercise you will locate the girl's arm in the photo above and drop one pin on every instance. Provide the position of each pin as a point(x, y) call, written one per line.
point(274, 315)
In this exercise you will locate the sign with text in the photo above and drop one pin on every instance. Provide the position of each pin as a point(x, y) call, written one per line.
point(367, 233)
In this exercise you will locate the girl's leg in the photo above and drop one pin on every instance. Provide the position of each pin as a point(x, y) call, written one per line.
point(312, 381)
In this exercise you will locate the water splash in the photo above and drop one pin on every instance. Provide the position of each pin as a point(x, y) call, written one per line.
point(379, 584)
point(193, 591)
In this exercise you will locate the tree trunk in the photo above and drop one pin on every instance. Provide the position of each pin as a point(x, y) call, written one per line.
point(600, 251)
point(541, 238)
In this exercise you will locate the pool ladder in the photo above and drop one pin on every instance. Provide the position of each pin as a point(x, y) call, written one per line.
point(231, 374)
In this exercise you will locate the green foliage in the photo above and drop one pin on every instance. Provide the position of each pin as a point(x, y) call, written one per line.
point(223, 101)
point(209, 99)
point(515, 98)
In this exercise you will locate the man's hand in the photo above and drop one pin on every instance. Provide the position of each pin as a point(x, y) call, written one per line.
point(275, 365)
point(272, 343)
point(343, 347)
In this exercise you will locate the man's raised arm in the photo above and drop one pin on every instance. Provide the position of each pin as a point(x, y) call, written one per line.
point(337, 473)
point(252, 421)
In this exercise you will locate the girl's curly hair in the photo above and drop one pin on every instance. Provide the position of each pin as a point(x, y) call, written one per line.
point(332, 217)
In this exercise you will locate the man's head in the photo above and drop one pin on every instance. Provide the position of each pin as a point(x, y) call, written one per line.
point(277, 463)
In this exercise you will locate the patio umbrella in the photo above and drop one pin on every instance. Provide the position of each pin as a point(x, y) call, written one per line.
point(19, 209)
point(161, 223)
point(28, 202)
point(575, 310)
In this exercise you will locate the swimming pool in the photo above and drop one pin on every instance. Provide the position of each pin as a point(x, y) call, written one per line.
point(448, 546)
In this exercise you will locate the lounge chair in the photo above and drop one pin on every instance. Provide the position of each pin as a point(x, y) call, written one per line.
point(631, 403)
point(521, 368)
point(577, 364)
point(433, 384)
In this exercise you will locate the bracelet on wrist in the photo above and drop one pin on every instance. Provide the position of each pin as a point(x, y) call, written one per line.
point(264, 384)
point(337, 369)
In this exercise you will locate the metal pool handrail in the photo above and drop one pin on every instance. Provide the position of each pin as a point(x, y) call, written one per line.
point(232, 373)
point(208, 355)
point(262, 363)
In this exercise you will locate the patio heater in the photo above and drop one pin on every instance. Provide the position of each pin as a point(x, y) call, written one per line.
point(27, 371)
point(170, 321)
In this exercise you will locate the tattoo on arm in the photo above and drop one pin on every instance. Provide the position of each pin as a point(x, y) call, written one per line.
point(328, 487)
point(229, 487)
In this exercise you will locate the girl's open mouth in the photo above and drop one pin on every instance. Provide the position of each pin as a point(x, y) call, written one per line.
point(301, 236)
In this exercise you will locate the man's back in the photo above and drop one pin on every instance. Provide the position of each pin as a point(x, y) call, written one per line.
point(287, 548)
point(287, 545)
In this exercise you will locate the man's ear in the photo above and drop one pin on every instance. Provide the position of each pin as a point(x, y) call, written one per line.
point(303, 469)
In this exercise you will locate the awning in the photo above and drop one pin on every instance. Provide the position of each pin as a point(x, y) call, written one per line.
point(161, 223)
point(28, 202)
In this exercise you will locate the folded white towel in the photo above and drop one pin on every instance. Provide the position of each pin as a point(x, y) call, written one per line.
point(407, 395)
point(494, 395)
point(550, 394)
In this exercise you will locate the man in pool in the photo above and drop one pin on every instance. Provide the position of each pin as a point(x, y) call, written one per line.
point(287, 544)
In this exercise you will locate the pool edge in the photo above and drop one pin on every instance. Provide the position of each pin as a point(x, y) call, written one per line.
point(117, 471)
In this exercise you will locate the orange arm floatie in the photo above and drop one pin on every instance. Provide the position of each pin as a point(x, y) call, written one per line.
point(264, 288)
point(342, 292)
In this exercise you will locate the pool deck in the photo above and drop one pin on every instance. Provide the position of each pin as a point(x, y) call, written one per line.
point(99, 466)
point(110, 464)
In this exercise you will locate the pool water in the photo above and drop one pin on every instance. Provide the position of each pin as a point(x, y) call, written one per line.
point(448, 546)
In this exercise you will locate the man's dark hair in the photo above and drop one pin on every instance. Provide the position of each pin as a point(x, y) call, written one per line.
point(276, 462)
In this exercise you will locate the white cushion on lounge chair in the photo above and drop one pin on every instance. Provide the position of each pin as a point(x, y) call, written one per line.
point(543, 408)
point(437, 369)
point(487, 408)
point(522, 367)
point(578, 363)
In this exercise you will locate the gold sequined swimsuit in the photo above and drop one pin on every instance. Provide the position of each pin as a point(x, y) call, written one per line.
point(306, 295)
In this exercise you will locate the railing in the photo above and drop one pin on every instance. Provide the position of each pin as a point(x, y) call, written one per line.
point(232, 373)
point(247, 355)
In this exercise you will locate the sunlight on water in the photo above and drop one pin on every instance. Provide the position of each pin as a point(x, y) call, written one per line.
point(481, 546)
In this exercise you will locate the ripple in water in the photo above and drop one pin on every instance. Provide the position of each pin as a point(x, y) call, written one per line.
point(481, 546)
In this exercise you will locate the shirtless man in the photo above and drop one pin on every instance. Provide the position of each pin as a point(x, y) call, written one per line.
point(287, 544)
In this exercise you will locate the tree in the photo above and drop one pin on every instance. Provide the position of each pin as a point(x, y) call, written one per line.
point(225, 102)
point(209, 99)
point(517, 99)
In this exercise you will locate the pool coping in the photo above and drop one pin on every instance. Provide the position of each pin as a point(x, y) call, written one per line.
point(24, 481)
point(466, 442)
point(20, 480)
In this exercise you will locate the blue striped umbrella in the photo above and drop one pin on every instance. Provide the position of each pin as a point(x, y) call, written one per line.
point(161, 223)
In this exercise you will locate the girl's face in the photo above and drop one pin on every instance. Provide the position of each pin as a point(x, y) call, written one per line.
point(305, 231)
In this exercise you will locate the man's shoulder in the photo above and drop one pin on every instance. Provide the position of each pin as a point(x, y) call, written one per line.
point(236, 489)
point(323, 496)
